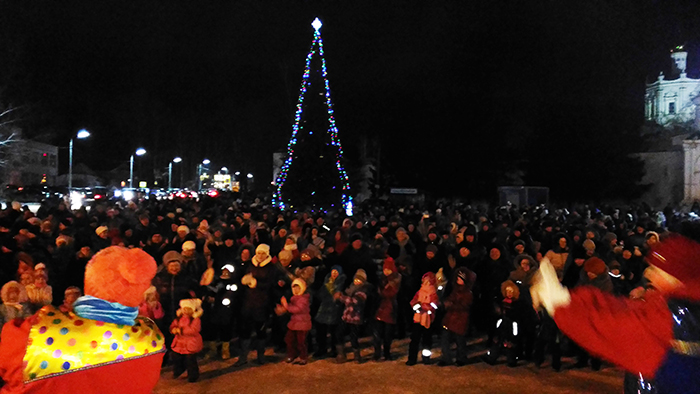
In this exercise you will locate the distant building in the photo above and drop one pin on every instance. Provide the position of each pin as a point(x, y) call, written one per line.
point(672, 163)
point(671, 101)
point(30, 163)
point(83, 176)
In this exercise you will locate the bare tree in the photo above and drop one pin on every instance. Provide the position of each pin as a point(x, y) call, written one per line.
point(8, 134)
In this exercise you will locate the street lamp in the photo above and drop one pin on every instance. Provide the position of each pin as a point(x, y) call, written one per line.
point(250, 176)
point(205, 162)
point(170, 171)
point(82, 134)
point(139, 152)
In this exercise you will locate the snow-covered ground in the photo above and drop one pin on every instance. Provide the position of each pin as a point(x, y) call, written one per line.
point(325, 376)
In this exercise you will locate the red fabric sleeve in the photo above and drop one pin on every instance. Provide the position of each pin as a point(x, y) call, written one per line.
point(634, 335)
point(414, 301)
point(13, 346)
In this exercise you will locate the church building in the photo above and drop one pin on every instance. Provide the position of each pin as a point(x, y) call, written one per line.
point(672, 111)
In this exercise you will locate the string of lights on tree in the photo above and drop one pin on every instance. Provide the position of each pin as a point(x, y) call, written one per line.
point(277, 199)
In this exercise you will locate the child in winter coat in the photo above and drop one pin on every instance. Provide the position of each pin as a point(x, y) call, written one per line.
point(12, 306)
point(188, 341)
point(424, 305)
point(355, 299)
point(222, 293)
point(329, 311)
point(39, 292)
point(150, 306)
point(70, 296)
point(507, 337)
point(385, 319)
point(455, 323)
point(300, 323)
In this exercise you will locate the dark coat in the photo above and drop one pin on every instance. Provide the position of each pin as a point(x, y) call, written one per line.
point(329, 311)
point(172, 289)
point(258, 301)
point(354, 259)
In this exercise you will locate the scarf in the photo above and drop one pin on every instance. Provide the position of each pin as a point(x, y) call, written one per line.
point(93, 308)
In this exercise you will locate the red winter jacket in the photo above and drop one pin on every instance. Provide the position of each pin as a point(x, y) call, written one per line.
point(300, 309)
point(189, 341)
point(387, 305)
point(457, 306)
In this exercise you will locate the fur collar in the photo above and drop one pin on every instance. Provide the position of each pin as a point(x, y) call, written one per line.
point(263, 263)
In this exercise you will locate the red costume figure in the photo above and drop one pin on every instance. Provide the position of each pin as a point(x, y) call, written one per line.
point(99, 347)
point(657, 338)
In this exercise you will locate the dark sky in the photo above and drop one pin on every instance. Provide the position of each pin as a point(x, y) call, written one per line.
point(456, 92)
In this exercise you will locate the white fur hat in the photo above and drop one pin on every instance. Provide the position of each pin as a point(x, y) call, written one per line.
point(263, 247)
point(189, 245)
point(194, 303)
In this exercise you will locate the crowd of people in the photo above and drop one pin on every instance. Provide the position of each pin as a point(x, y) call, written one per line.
point(304, 282)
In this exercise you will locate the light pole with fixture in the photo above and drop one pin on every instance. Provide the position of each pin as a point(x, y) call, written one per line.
point(170, 171)
point(139, 152)
point(205, 162)
point(82, 134)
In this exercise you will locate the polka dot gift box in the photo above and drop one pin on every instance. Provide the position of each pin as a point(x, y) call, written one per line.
point(63, 343)
point(101, 347)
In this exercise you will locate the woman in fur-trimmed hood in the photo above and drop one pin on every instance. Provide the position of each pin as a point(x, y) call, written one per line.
point(525, 268)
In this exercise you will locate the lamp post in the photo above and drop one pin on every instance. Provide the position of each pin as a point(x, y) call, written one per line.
point(205, 162)
point(139, 152)
point(82, 134)
point(170, 171)
point(250, 181)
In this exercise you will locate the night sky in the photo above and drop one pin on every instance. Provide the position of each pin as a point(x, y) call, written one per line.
point(459, 94)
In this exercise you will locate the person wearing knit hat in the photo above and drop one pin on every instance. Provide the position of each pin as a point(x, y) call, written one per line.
point(188, 341)
point(385, 318)
point(594, 267)
point(329, 311)
point(425, 305)
point(260, 278)
point(12, 306)
point(70, 296)
point(300, 322)
point(660, 333)
point(189, 246)
point(621, 286)
point(101, 239)
point(172, 256)
point(355, 300)
point(39, 292)
point(455, 322)
point(151, 307)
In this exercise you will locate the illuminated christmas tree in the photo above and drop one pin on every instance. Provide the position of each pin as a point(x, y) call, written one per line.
point(313, 176)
